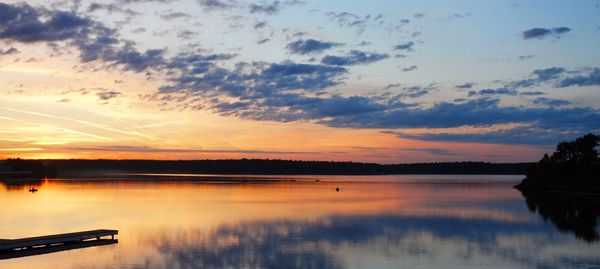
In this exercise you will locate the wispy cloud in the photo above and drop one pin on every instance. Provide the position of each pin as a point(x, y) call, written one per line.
point(144, 149)
point(71, 131)
point(83, 122)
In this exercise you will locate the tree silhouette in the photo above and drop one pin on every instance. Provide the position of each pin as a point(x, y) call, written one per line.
point(582, 150)
point(553, 187)
point(574, 166)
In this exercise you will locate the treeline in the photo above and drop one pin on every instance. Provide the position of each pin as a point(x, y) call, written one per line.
point(574, 166)
point(275, 167)
point(28, 169)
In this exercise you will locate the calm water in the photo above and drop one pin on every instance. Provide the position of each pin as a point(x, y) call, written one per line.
point(372, 222)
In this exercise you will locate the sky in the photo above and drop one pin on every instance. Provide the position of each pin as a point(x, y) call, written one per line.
point(366, 81)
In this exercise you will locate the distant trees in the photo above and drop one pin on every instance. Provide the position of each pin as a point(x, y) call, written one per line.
point(276, 167)
point(32, 168)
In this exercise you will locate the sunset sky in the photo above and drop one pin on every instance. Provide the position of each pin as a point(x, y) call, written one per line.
point(377, 81)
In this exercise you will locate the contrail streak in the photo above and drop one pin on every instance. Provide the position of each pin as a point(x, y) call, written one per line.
point(10, 119)
point(95, 125)
point(77, 132)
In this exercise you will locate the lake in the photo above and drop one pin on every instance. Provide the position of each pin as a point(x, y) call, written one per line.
point(183, 221)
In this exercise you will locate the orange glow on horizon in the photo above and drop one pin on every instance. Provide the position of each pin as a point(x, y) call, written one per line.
point(41, 126)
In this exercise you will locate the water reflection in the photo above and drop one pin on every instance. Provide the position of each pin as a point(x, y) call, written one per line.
point(433, 241)
point(21, 184)
point(575, 213)
point(296, 224)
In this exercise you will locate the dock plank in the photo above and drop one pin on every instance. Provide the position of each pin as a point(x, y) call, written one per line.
point(4, 255)
point(55, 239)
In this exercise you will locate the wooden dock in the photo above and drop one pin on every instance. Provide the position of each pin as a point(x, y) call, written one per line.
point(52, 243)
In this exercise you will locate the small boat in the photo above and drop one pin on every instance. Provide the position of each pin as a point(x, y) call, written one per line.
point(33, 189)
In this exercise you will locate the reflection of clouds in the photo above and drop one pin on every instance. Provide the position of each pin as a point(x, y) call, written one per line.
point(299, 225)
point(389, 241)
point(480, 213)
point(256, 245)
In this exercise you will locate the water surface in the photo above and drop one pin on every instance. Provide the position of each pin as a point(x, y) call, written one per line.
point(299, 222)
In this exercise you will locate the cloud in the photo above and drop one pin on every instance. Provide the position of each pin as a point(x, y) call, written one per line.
point(127, 57)
point(532, 93)
point(350, 20)
point(107, 95)
point(265, 8)
point(145, 1)
point(170, 15)
point(550, 102)
point(416, 91)
point(186, 34)
point(460, 15)
point(139, 30)
point(285, 92)
point(538, 76)
point(541, 33)
point(22, 23)
point(95, 41)
point(408, 46)
point(111, 8)
point(392, 85)
point(410, 68)
point(295, 2)
point(310, 46)
point(260, 25)
point(499, 91)
point(478, 112)
point(589, 77)
point(353, 58)
point(211, 5)
point(559, 77)
point(467, 85)
point(548, 73)
point(525, 57)
point(263, 41)
point(290, 91)
point(521, 135)
point(9, 51)
point(252, 81)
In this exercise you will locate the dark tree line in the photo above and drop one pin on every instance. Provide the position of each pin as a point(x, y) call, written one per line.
point(30, 168)
point(65, 168)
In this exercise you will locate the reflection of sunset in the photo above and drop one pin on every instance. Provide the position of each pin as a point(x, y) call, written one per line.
point(215, 203)
point(160, 221)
